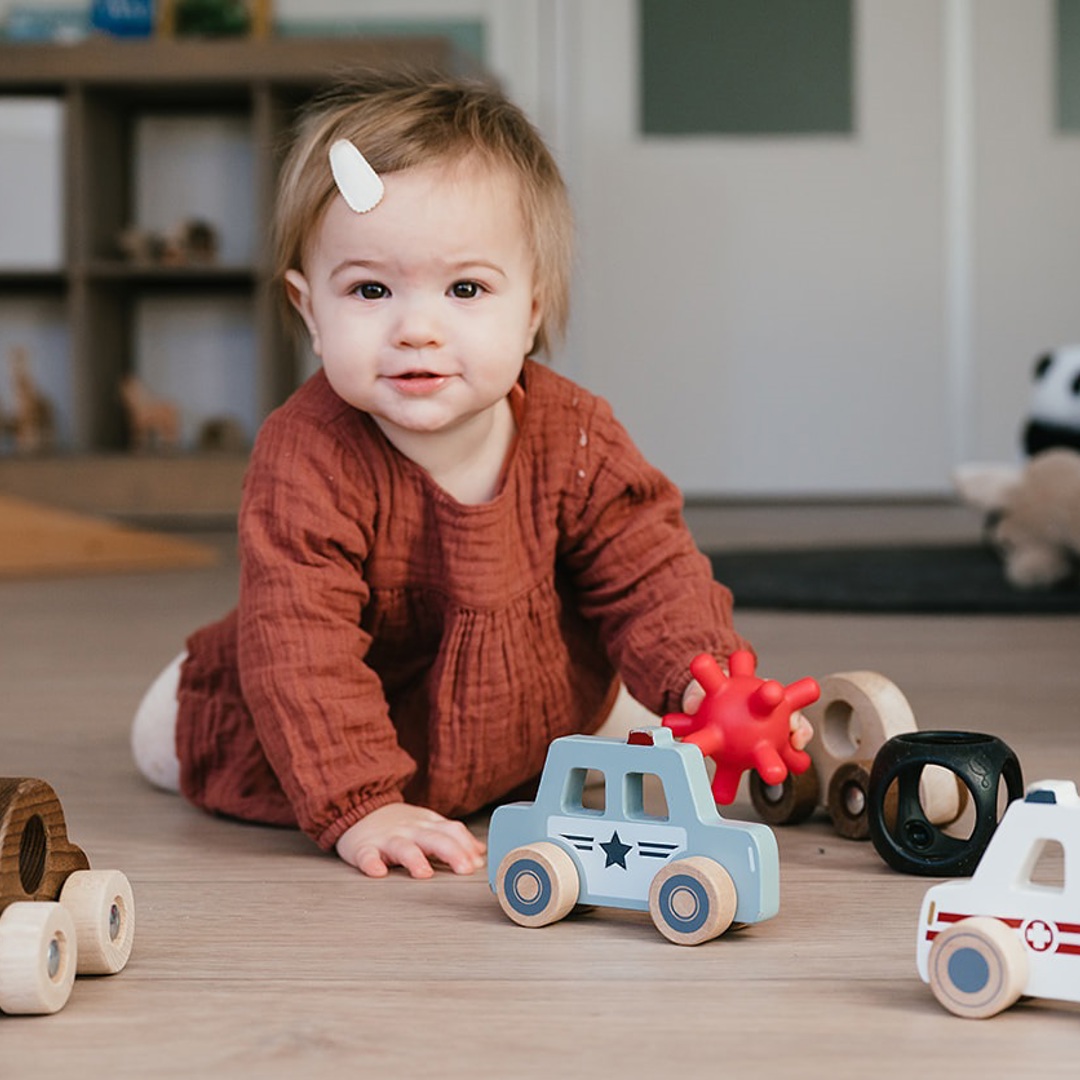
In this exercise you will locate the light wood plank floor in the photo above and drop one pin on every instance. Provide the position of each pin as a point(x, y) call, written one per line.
point(256, 956)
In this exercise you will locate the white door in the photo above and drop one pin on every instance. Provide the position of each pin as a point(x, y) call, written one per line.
point(767, 314)
point(1025, 213)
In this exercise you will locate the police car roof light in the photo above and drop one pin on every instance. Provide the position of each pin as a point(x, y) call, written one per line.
point(1041, 797)
point(1052, 793)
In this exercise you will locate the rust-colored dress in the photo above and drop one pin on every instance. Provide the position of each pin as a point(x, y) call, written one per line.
point(393, 644)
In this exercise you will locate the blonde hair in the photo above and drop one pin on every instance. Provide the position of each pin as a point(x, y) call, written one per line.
point(401, 121)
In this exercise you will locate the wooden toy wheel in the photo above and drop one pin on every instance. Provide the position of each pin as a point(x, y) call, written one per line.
point(692, 900)
point(103, 909)
point(977, 967)
point(848, 799)
point(944, 796)
point(537, 884)
point(789, 802)
point(37, 957)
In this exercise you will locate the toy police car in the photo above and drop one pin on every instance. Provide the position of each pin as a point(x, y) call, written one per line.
point(696, 873)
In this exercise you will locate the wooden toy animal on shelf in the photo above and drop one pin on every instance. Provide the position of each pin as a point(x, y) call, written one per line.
point(153, 422)
point(744, 723)
point(57, 916)
point(856, 713)
point(32, 424)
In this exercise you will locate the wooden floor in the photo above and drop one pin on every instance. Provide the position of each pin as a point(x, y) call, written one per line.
point(256, 956)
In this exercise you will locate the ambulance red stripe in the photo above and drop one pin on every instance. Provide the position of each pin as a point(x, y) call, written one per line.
point(953, 916)
point(1063, 948)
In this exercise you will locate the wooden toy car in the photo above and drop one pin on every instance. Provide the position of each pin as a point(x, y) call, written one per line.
point(693, 871)
point(57, 916)
point(855, 715)
point(1009, 929)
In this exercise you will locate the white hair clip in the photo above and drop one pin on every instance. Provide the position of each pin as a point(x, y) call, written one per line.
point(358, 182)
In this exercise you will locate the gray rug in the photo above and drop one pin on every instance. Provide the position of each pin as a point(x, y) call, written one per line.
point(924, 579)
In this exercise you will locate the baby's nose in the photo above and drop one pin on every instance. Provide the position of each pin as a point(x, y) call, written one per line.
point(418, 326)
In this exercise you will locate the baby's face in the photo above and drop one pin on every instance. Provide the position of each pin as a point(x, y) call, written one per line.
point(423, 309)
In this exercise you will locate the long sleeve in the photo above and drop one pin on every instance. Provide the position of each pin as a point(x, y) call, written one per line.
point(318, 709)
point(635, 567)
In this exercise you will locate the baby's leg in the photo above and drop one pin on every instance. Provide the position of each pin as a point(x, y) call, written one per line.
point(153, 733)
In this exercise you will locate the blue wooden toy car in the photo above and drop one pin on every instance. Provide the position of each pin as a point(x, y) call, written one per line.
point(695, 872)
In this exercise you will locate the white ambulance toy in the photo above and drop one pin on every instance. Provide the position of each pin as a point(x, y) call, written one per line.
point(1009, 930)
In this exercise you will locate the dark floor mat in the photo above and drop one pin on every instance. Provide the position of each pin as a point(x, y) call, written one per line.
point(930, 579)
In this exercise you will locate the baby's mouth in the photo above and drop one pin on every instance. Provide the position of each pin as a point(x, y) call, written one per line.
point(418, 382)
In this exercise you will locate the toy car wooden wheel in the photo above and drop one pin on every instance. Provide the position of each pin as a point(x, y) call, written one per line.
point(103, 909)
point(943, 794)
point(977, 967)
point(38, 954)
point(537, 884)
point(692, 900)
point(789, 802)
point(848, 799)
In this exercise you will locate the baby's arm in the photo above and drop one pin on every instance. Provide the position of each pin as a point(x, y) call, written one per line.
point(318, 708)
point(636, 571)
point(400, 834)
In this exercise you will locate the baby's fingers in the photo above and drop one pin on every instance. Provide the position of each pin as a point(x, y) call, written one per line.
point(408, 853)
point(368, 860)
point(802, 731)
point(455, 846)
point(409, 836)
point(693, 696)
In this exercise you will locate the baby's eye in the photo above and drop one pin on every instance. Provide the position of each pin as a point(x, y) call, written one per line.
point(371, 290)
point(466, 290)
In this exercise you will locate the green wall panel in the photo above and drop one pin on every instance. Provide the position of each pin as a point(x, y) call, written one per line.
point(1068, 65)
point(746, 67)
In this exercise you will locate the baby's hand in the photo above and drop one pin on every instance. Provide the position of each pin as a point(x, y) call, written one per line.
point(802, 731)
point(403, 835)
point(692, 697)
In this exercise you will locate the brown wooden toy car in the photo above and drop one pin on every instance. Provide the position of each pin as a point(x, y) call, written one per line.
point(856, 713)
point(58, 918)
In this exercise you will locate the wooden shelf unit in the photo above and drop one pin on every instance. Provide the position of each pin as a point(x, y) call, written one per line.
point(106, 86)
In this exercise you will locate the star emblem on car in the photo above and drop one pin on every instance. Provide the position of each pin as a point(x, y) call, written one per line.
point(615, 851)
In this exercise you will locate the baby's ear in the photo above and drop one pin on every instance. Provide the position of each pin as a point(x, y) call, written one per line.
point(986, 486)
point(536, 320)
point(299, 294)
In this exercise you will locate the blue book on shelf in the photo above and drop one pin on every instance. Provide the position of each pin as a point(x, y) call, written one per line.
point(123, 18)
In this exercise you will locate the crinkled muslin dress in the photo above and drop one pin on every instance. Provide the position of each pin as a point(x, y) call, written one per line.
point(391, 643)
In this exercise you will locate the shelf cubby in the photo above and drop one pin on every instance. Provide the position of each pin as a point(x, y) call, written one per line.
point(110, 91)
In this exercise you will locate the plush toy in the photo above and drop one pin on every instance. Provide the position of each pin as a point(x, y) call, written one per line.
point(1054, 419)
point(1033, 510)
point(1033, 514)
